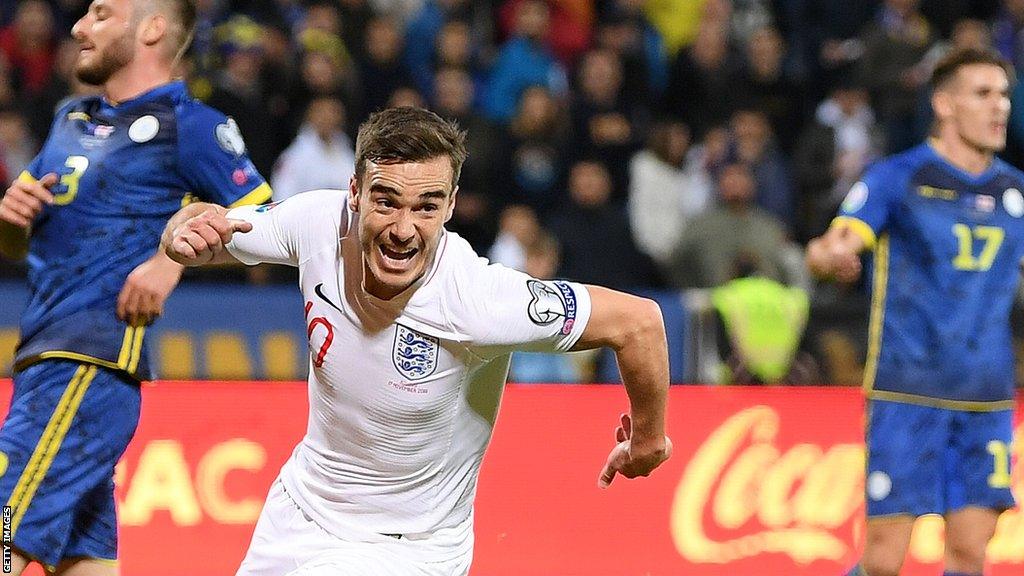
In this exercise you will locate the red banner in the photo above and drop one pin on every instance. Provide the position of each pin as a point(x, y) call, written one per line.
point(764, 481)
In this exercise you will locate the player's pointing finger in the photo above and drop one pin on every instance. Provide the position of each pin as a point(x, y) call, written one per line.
point(223, 227)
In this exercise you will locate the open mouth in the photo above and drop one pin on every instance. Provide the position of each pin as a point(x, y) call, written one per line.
point(397, 258)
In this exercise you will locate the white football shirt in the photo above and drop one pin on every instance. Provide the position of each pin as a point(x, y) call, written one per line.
point(403, 393)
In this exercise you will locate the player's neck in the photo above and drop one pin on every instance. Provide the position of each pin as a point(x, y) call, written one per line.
point(135, 79)
point(961, 154)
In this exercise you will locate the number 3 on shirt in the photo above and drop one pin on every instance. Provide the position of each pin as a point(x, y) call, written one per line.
point(78, 165)
point(990, 236)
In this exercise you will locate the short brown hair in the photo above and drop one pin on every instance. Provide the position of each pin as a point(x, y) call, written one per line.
point(948, 66)
point(398, 135)
point(182, 14)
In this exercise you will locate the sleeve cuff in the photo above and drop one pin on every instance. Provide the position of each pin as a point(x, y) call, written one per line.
point(858, 227)
point(258, 195)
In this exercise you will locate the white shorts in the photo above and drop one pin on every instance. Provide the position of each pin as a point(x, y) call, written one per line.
point(288, 543)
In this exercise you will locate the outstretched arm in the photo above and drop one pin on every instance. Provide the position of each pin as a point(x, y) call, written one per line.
point(634, 329)
point(836, 254)
point(198, 234)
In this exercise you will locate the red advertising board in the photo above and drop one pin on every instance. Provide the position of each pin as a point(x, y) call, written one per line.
point(764, 481)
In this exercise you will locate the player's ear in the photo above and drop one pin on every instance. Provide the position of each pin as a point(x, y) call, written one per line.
point(942, 104)
point(353, 194)
point(153, 29)
point(451, 204)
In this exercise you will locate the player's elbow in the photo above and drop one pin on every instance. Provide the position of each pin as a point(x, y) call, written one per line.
point(641, 324)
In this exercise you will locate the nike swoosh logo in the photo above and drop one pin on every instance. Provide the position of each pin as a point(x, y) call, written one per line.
point(319, 292)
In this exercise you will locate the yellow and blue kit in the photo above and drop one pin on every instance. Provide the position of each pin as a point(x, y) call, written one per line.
point(124, 171)
point(940, 371)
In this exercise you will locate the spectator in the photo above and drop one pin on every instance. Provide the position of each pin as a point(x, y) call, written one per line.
point(944, 15)
point(355, 14)
point(823, 39)
point(39, 109)
point(677, 21)
point(569, 33)
point(17, 145)
point(764, 86)
point(382, 68)
point(454, 47)
point(536, 144)
point(321, 155)
point(597, 246)
point(474, 214)
point(762, 325)
point(700, 91)
point(457, 48)
point(833, 152)
point(747, 18)
point(894, 45)
point(406, 97)
point(321, 17)
point(668, 187)
point(1006, 32)
point(203, 55)
point(403, 10)
point(523, 61)
point(29, 44)
point(623, 28)
point(518, 229)
point(604, 124)
point(754, 144)
point(240, 93)
point(422, 35)
point(324, 70)
point(713, 242)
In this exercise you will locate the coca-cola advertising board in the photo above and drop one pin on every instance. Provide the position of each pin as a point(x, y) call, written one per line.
point(764, 481)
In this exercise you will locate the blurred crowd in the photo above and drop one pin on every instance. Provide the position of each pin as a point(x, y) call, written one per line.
point(629, 143)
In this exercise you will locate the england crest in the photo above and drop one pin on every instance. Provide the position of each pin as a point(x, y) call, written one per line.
point(414, 354)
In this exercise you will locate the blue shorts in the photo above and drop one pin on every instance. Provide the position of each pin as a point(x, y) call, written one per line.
point(925, 460)
point(68, 426)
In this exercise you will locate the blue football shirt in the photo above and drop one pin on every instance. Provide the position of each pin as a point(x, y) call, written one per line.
point(947, 252)
point(124, 171)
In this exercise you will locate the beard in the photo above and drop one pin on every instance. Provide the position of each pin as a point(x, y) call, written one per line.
point(112, 59)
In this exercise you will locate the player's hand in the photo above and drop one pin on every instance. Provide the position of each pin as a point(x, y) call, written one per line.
point(847, 266)
point(23, 201)
point(633, 459)
point(831, 256)
point(199, 239)
point(142, 298)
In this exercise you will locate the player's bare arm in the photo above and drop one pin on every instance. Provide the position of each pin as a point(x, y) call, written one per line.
point(634, 329)
point(836, 254)
point(147, 287)
point(198, 234)
point(22, 202)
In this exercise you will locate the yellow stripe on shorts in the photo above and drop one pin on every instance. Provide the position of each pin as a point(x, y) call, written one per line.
point(124, 357)
point(46, 450)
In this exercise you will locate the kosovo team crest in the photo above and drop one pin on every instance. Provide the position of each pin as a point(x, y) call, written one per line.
point(414, 354)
